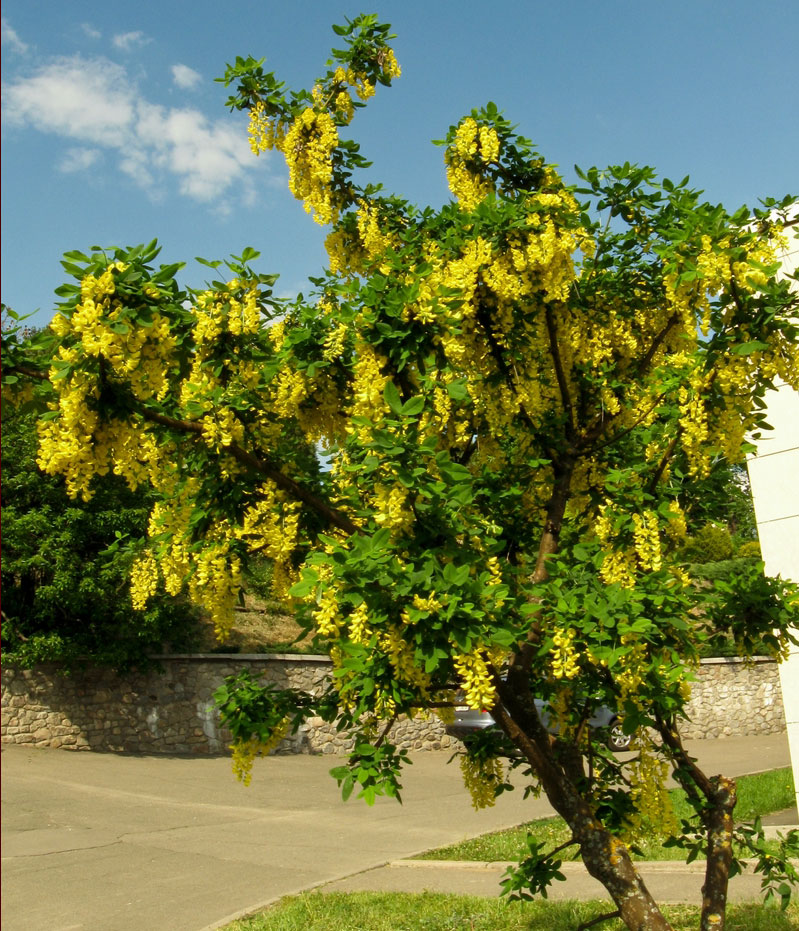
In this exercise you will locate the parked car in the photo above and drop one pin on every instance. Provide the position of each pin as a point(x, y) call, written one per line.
point(467, 721)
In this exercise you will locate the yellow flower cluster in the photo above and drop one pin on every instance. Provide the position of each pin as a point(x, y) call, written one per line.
point(216, 582)
point(482, 778)
point(373, 240)
point(143, 580)
point(652, 807)
point(222, 428)
point(270, 526)
point(327, 616)
point(565, 661)
point(646, 538)
point(475, 680)
point(695, 427)
point(308, 146)
point(265, 132)
point(367, 387)
point(244, 752)
point(676, 528)
point(391, 508)
point(76, 444)
point(234, 310)
point(631, 671)
point(471, 142)
point(344, 253)
point(170, 519)
point(359, 629)
point(401, 656)
point(290, 391)
point(618, 567)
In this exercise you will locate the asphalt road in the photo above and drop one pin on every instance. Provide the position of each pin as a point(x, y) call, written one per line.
point(108, 842)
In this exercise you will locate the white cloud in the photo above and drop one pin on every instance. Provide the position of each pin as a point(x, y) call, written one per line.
point(127, 40)
point(91, 31)
point(79, 159)
point(86, 99)
point(94, 102)
point(185, 77)
point(9, 37)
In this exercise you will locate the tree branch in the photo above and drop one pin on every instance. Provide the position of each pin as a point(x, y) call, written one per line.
point(657, 342)
point(598, 920)
point(664, 461)
point(563, 385)
point(267, 469)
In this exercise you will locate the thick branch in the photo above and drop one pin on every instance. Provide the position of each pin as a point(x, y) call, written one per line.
point(563, 385)
point(657, 342)
point(332, 516)
point(550, 539)
point(28, 372)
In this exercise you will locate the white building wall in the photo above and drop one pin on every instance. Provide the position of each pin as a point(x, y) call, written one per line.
point(774, 475)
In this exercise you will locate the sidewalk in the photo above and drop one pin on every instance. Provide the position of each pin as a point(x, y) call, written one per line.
point(670, 882)
point(106, 842)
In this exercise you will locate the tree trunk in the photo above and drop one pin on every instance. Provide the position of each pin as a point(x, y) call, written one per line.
point(605, 857)
point(720, 825)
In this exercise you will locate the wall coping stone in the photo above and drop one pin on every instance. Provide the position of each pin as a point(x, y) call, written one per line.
point(732, 660)
point(324, 658)
point(246, 657)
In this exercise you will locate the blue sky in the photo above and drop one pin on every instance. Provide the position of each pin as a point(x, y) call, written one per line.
point(114, 131)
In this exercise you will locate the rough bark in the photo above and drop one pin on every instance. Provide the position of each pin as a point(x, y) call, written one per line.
point(719, 822)
point(717, 796)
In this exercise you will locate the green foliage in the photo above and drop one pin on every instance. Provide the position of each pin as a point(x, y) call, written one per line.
point(748, 606)
point(250, 709)
point(725, 498)
point(373, 767)
point(66, 592)
point(778, 868)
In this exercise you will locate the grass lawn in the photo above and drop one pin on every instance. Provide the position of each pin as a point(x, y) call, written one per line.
point(757, 795)
point(429, 911)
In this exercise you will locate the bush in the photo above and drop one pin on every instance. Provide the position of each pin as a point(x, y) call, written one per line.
point(712, 543)
point(750, 550)
point(66, 595)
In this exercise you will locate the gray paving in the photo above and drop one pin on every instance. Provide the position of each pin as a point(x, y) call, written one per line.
point(106, 842)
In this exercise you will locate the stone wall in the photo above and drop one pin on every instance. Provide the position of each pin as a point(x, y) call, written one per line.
point(172, 711)
point(169, 712)
point(733, 698)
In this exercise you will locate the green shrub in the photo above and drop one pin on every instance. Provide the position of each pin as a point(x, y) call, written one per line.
point(712, 543)
point(750, 549)
point(66, 595)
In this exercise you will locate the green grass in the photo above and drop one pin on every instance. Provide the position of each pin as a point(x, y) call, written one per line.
point(428, 911)
point(757, 795)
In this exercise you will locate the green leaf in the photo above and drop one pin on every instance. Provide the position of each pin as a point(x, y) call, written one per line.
point(458, 390)
point(392, 397)
point(413, 407)
point(746, 349)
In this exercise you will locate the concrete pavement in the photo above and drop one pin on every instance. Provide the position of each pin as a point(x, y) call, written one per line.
point(105, 842)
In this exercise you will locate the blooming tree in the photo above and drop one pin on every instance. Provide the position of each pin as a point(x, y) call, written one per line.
point(468, 456)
